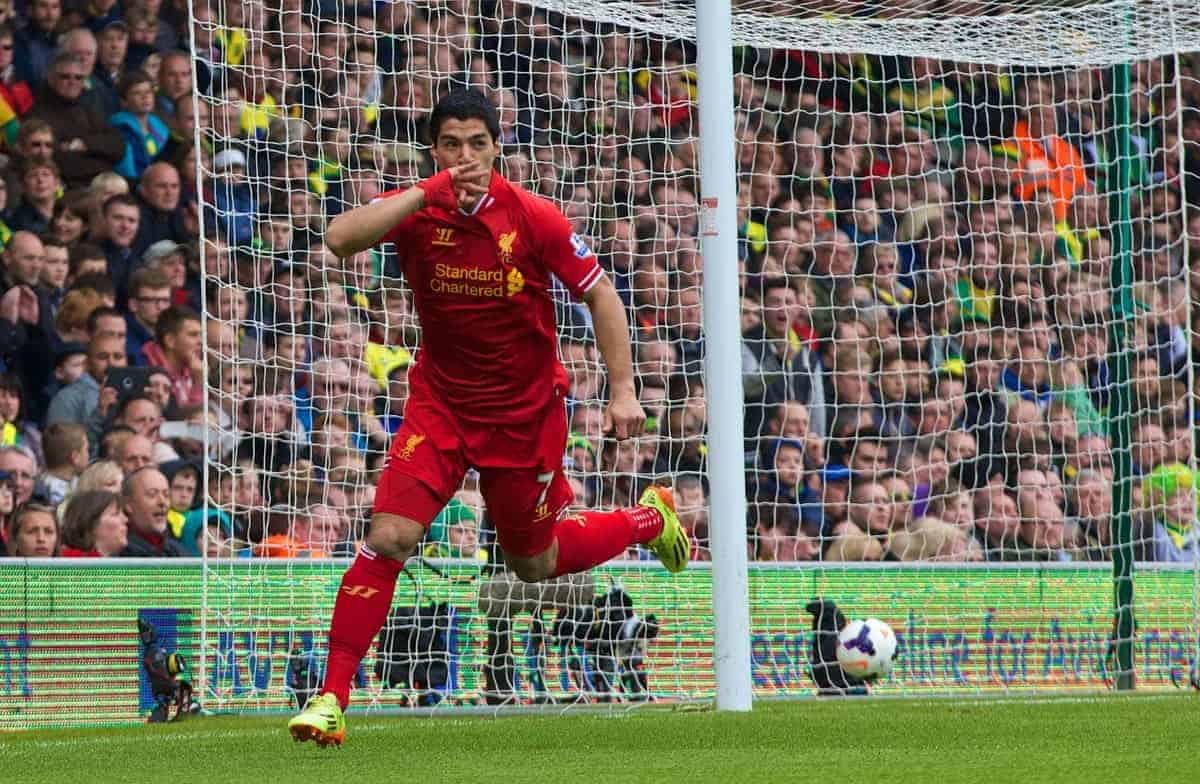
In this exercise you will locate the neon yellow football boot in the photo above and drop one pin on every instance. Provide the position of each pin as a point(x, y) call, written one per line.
point(672, 546)
point(321, 721)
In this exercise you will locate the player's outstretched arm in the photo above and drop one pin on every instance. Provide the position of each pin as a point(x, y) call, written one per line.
point(363, 227)
point(624, 417)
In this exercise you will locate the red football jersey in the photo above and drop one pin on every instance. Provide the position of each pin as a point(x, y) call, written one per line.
point(481, 287)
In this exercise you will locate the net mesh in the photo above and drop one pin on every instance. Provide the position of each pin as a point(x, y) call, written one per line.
point(927, 234)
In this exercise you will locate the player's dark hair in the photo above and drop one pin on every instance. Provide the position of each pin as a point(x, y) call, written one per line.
point(464, 104)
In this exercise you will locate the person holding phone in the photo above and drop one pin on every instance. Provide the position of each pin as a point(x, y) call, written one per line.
point(83, 402)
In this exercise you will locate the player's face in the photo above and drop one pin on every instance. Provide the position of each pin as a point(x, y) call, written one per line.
point(464, 141)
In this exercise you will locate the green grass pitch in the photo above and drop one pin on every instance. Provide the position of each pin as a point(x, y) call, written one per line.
point(1117, 739)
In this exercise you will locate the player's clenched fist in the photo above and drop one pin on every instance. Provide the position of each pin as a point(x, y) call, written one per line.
point(458, 186)
point(624, 418)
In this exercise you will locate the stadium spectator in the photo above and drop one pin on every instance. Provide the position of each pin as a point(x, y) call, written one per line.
point(870, 508)
point(145, 133)
point(56, 266)
point(17, 429)
point(112, 47)
point(94, 525)
point(40, 186)
point(88, 145)
point(183, 478)
point(86, 259)
point(143, 416)
point(20, 464)
point(14, 90)
point(854, 545)
point(174, 80)
point(776, 364)
point(67, 454)
point(932, 539)
point(1090, 496)
point(145, 496)
point(1169, 493)
point(120, 219)
point(23, 256)
point(149, 298)
point(1048, 162)
point(311, 530)
point(82, 402)
point(132, 453)
point(162, 214)
point(178, 349)
point(71, 322)
point(233, 199)
point(36, 41)
point(111, 440)
point(101, 475)
point(35, 142)
point(778, 536)
point(1042, 533)
point(81, 42)
point(32, 532)
point(996, 521)
point(70, 363)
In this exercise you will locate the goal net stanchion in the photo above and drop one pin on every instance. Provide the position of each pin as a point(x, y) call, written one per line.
point(1121, 405)
point(928, 213)
point(1187, 120)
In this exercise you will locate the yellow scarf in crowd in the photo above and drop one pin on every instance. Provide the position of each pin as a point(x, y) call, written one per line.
point(1178, 532)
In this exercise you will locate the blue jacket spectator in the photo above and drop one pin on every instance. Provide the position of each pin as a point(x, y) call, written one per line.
point(144, 132)
point(35, 44)
point(233, 198)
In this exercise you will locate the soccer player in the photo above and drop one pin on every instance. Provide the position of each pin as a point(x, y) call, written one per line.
point(487, 390)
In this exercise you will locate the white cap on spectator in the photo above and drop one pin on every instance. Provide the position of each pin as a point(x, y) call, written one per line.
point(159, 251)
point(227, 159)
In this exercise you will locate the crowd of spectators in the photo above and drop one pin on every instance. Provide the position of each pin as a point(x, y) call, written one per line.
point(925, 250)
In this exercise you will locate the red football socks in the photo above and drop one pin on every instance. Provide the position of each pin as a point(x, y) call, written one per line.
point(365, 596)
point(362, 606)
point(589, 539)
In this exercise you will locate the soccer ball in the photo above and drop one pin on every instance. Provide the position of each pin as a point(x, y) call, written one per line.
point(867, 648)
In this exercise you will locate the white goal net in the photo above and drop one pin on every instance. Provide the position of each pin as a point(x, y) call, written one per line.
point(961, 227)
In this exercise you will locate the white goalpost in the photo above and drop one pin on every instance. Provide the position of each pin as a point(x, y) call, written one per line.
point(718, 200)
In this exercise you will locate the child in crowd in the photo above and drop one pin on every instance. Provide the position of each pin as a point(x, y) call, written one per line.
point(1169, 493)
point(145, 133)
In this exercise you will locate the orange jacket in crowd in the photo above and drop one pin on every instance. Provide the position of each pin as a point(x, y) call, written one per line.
point(284, 546)
point(1048, 164)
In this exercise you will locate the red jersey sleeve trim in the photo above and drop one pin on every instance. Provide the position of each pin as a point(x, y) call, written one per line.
point(591, 279)
point(562, 252)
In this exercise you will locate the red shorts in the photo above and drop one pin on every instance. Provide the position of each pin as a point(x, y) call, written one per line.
point(519, 465)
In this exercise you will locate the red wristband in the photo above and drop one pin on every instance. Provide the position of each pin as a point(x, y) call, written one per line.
point(439, 191)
